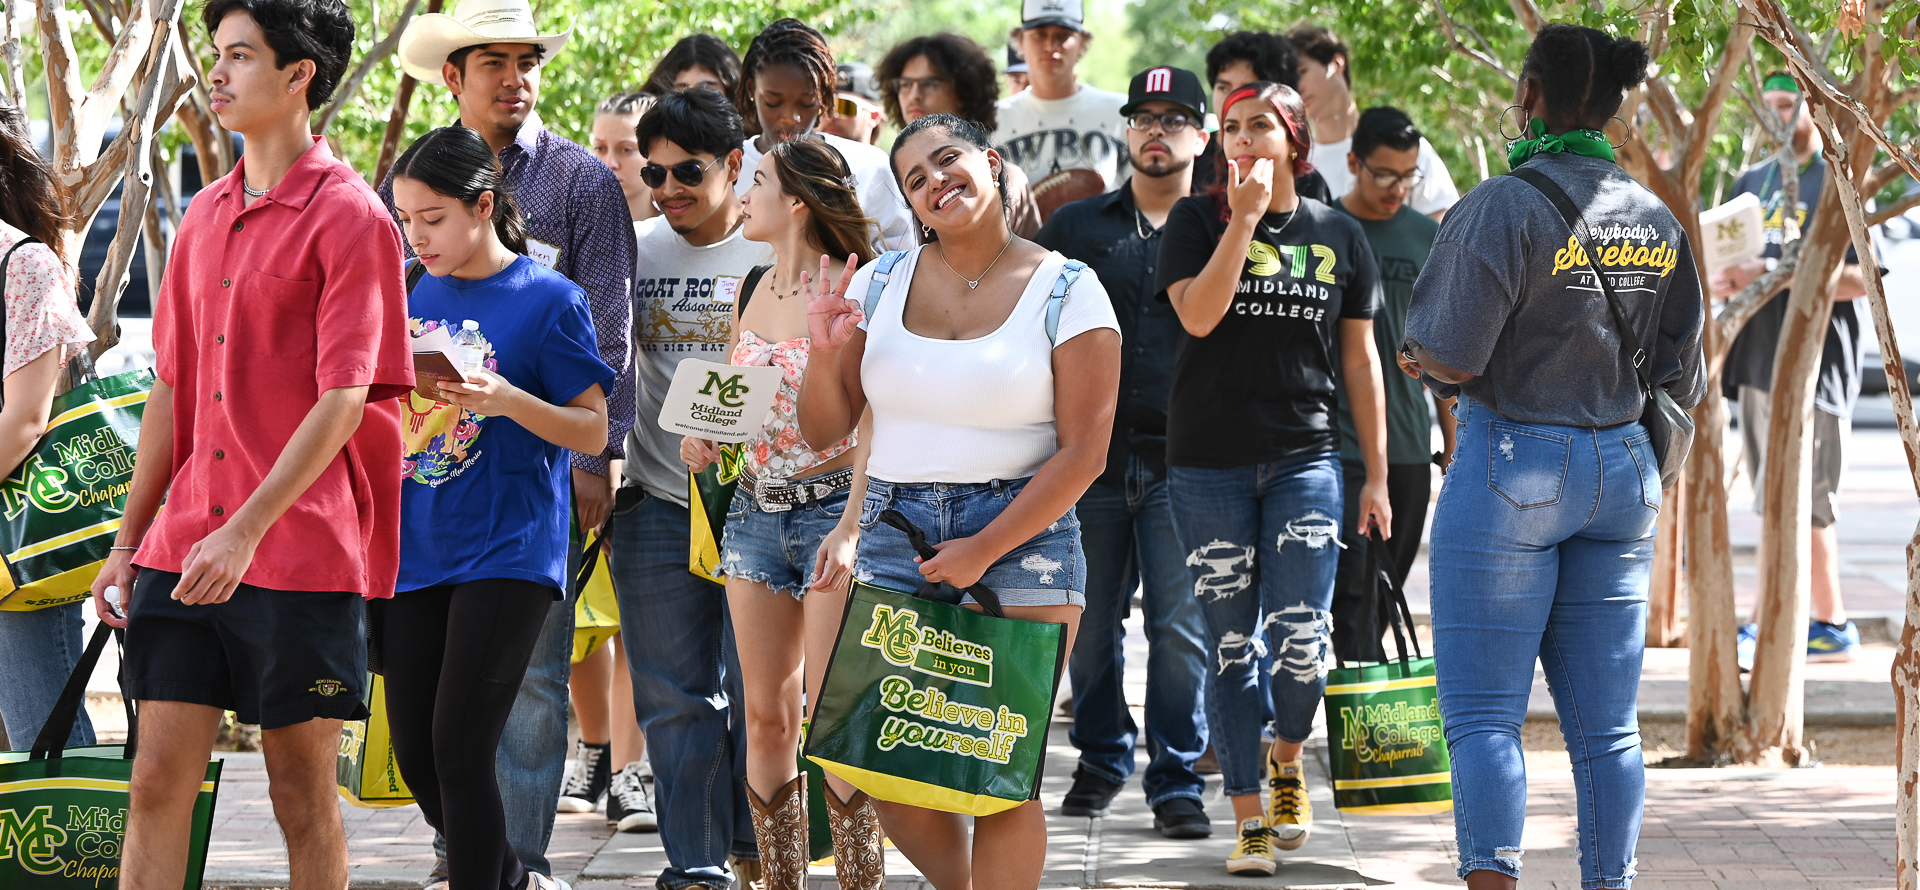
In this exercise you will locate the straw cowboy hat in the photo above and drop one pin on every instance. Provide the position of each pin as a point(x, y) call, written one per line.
point(427, 42)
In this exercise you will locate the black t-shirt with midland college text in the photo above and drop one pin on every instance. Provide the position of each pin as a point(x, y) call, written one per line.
point(1260, 387)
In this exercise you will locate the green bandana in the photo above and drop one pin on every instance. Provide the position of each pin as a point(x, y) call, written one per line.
point(1591, 143)
point(1781, 82)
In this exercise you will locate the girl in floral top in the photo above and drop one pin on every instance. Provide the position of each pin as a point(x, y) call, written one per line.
point(789, 543)
point(38, 649)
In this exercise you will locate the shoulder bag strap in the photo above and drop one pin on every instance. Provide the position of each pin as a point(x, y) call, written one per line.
point(66, 709)
point(1057, 300)
point(749, 283)
point(882, 269)
point(415, 272)
point(1629, 340)
point(5, 263)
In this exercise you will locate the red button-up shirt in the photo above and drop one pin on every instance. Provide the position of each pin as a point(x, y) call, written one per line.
point(263, 308)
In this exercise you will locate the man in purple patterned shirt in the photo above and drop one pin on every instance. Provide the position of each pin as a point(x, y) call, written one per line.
point(490, 56)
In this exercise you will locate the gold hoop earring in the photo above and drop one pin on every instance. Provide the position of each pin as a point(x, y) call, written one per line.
point(1525, 119)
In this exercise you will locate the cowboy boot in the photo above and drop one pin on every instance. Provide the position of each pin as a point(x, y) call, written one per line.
point(858, 862)
point(780, 828)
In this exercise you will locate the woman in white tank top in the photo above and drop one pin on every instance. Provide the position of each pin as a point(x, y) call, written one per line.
point(980, 438)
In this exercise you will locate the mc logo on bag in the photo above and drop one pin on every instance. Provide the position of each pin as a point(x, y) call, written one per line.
point(37, 839)
point(927, 650)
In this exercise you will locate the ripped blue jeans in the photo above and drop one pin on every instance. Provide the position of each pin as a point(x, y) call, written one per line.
point(1542, 550)
point(1263, 547)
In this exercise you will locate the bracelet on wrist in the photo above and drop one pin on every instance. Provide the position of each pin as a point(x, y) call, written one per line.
point(128, 549)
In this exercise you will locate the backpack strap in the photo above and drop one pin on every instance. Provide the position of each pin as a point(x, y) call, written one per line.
point(416, 270)
point(1057, 300)
point(882, 268)
point(748, 284)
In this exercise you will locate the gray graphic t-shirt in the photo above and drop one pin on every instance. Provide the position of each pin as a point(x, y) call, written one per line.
point(1509, 296)
point(683, 298)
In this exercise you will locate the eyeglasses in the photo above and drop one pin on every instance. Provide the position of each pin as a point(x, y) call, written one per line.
point(690, 173)
point(1171, 122)
point(1393, 180)
point(923, 84)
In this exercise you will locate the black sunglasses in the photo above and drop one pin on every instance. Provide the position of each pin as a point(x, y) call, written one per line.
point(690, 173)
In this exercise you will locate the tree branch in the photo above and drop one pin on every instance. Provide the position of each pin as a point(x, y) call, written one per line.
point(1741, 307)
point(1528, 14)
point(1447, 27)
point(15, 77)
point(1792, 42)
point(1897, 208)
point(63, 91)
point(372, 58)
point(124, 61)
point(1733, 57)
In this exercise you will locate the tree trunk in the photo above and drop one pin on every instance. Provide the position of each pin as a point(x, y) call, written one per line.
point(1773, 734)
point(1669, 574)
point(1715, 706)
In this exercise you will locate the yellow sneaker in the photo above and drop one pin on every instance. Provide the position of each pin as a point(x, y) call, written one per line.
point(1253, 852)
point(1289, 813)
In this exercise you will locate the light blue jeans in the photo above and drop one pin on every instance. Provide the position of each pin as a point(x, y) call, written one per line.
point(1541, 551)
point(1263, 542)
point(686, 677)
point(1127, 534)
point(38, 651)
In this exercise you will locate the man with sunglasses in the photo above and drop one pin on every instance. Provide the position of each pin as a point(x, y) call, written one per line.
point(1326, 85)
point(490, 56)
point(1385, 170)
point(685, 674)
point(856, 104)
point(1126, 521)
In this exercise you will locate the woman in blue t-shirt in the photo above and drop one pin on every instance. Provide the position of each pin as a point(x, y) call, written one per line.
point(484, 512)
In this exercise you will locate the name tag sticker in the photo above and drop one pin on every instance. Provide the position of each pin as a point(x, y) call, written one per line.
point(725, 403)
point(543, 253)
point(726, 289)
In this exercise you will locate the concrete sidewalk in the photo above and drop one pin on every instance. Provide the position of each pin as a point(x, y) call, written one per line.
point(1730, 829)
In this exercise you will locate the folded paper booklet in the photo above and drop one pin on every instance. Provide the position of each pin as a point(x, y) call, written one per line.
point(435, 361)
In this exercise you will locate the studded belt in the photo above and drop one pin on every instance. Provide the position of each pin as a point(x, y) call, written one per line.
point(779, 497)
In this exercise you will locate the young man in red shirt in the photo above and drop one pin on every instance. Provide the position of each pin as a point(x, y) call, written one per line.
point(273, 434)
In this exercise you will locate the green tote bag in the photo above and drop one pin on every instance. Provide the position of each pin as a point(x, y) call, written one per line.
point(1386, 749)
point(63, 811)
point(934, 705)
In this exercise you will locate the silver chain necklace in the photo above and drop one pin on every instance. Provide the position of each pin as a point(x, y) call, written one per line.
point(249, 189)
point(1140, 225)
point(1283, 226)
point(975, 282)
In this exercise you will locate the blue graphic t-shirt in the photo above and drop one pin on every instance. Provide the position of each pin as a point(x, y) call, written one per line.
point(483, 497)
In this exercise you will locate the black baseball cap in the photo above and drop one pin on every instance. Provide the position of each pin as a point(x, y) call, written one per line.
point(1016, 63)
point(857, 78)
point(1165, 84)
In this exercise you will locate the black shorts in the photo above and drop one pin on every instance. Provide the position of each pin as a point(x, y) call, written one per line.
point(275, 658)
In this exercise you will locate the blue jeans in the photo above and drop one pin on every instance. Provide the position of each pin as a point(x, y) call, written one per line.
point(38, 651)
point(1542, 548)
point(1263, 542)
point(686, 677)
point(1050, 569)
point(1129, 541)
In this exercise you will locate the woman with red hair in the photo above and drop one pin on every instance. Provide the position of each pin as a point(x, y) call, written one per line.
point(1277, 294)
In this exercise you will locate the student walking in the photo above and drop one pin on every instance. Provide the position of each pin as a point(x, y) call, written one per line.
point(1326, 85)
point(696, 60)
point(491, 58)
point(1239, 59)
point(1277, 294)
point(1543, 536)
point(790, 540)
point(41, 647)
point(786, 89)
point(946, 73)
point(1064, 132)
point(273, 435)
point(1385, 168)
point(686, 681)
point(1126, 519)
point(979, 433)
point(484, 509)
point(614, 121)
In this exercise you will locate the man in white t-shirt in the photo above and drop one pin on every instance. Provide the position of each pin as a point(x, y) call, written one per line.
point(692, 259)
point(1326, 83)
point(1068, 136)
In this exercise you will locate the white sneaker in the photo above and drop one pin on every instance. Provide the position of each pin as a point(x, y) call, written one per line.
point(538, 881)
point(630, 801)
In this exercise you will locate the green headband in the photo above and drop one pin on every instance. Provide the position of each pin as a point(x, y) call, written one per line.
point(1780, 82)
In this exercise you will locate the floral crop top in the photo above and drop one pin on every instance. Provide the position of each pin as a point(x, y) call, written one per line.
point(778, 452)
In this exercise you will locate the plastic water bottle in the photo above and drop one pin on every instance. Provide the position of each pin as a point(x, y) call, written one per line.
point(113, 600)
point(473, 355)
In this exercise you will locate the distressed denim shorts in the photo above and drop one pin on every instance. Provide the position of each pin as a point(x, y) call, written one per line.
point(777, 549)
point(1048, 570)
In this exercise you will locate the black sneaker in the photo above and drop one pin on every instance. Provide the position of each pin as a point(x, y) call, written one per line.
point(630, 801)
point(1182, 818)
point(587, 778)
point(1089, 796)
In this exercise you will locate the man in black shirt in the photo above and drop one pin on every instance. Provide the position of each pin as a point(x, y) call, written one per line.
point(1749, 373)
point(1125, 518)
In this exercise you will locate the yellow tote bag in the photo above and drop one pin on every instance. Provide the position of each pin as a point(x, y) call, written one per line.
point(596, 613)
point(366, 771)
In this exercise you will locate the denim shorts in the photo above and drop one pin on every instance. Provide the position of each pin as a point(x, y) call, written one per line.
point(777, 549)
point(1048, 570)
